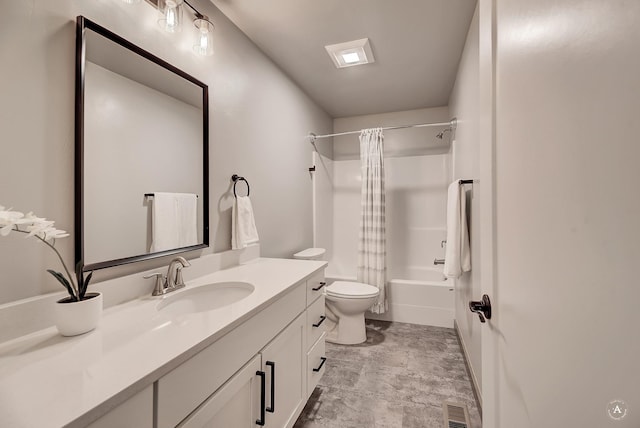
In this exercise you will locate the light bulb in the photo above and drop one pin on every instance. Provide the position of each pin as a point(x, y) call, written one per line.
point(204, 40)
point(170, 15)
point(204, 37)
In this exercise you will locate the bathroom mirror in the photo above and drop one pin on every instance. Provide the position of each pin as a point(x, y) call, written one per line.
point(141, 130)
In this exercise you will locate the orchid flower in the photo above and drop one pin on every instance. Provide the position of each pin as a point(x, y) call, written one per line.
point(8, 219)
point(43, 229)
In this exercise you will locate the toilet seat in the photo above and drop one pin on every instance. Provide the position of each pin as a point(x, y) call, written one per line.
point(351, 290)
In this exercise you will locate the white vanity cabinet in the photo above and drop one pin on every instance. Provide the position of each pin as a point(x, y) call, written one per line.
point(236, 404)
point(150, 367)
point(222, 385)
point(283, 363)
point(315, 331)
point(268, 391)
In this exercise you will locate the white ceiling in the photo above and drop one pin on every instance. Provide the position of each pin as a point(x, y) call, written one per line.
point(417, 45)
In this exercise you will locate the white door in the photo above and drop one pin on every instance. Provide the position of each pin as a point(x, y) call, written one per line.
point(236, 404)
point(283, 362)
point(561, 206)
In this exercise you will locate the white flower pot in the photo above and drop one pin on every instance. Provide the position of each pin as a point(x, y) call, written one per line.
point(74, 318)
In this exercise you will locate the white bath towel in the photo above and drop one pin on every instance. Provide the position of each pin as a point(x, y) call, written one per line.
point(243, 225)
point(174, 220)
point(458, 257)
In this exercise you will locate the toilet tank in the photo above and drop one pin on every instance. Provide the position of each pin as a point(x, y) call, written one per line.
point(310, 254)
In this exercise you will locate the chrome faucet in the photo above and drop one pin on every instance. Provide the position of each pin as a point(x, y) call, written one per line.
point(173, 280)
point(174, 273)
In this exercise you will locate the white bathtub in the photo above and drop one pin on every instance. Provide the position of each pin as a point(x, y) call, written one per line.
point(421, 296)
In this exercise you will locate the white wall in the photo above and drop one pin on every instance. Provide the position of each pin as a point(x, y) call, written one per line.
point(323, 204)
point(465, 105)
point(565, 333)
point(345, 218)
point(258, 121)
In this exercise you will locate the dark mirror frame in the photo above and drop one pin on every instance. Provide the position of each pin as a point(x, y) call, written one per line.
point(83, 24)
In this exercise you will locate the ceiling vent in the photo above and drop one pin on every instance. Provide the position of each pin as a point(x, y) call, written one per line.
point(348, 54)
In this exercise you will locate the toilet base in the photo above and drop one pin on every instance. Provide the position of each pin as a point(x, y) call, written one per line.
point(350, 330)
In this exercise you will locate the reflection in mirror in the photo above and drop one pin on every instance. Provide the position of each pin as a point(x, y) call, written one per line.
point(141, 153)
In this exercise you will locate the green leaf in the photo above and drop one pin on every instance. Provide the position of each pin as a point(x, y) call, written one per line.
point(63, 281)
point(85, 284)
point(79, 274)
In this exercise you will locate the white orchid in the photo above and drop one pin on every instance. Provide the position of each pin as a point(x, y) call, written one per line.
point(43, 229)
point(38, 228)
point(8, 219)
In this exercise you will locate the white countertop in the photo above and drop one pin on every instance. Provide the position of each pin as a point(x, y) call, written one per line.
point(47, 380)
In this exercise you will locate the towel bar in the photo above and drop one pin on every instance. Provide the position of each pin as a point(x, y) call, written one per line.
point(151, 195)
point(235, 178)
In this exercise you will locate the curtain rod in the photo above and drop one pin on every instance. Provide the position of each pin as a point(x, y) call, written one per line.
point(452, 125)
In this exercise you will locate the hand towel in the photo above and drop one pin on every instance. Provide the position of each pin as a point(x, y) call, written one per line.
point(243, 225)
point(458, 257)
point(174, 220)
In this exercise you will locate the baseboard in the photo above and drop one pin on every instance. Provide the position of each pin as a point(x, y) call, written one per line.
point(474, 380)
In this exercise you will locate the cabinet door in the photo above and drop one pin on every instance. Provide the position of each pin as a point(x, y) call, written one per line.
point(283, 362)
point(236, 404)
point(316, 359)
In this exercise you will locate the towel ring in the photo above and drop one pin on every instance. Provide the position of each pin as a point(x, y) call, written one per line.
point(236, 178)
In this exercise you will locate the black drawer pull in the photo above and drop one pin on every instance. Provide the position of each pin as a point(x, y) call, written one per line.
point(322, 361)
point(273, 387)
point(322, 318)
point(322, 284)
point(262, 398)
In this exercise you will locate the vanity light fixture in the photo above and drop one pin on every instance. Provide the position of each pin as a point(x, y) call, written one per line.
point(348, 54)
point(170, 15)
point(171, 21)
point(204, 41)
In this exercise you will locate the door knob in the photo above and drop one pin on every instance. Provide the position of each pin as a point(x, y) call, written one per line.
point(481, 307)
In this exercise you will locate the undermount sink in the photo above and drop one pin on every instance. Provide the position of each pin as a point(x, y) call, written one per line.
point(205, 297)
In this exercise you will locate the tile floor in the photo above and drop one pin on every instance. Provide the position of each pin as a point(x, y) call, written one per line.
point(398, 378)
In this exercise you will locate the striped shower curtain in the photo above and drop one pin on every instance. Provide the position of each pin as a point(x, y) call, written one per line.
point(372, 266)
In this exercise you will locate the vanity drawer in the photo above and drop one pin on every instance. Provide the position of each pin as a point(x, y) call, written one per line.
point(316, 362)
point(315, 286)
point(183, 389)
point(316, 321)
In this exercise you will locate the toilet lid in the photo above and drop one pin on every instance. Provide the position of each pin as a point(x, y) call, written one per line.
point(354, 290)
point(309, 253)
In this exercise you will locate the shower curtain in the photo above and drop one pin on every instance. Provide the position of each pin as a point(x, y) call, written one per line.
point(372, 266)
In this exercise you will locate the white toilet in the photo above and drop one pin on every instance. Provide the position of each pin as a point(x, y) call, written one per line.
point(346, 303)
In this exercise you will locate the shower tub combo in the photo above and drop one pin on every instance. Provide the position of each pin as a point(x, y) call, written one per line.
point(416, 200)
point(420, 297)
